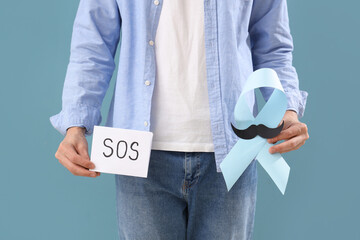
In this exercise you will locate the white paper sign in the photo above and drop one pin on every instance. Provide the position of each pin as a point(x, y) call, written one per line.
point(121, 151)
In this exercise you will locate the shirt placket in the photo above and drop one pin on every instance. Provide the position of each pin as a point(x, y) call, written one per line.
point(150, 62)
point(213, 80)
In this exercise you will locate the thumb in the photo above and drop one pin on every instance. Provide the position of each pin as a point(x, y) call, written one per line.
point(82, 149)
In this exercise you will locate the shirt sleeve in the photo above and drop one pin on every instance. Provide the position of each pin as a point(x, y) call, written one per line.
point(94, 41)
point(272, 47)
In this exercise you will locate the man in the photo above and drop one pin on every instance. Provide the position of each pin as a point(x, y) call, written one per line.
point(182, 67)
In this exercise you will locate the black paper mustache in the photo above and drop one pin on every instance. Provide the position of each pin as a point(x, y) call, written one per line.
point(261, 130)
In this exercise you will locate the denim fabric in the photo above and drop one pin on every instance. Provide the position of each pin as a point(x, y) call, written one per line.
point(184, 197)
point(240, 36)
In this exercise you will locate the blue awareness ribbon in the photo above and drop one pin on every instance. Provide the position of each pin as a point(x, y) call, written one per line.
point(246, 150)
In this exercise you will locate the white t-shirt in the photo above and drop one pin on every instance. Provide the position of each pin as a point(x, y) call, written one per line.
point(180, 115)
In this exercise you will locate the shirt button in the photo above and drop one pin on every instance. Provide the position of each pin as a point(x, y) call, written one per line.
point(151, 42)
point(145, 123)
point(147, 83)
point(156, 2)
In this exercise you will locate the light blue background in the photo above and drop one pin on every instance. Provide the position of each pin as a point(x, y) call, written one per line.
point(40, 199)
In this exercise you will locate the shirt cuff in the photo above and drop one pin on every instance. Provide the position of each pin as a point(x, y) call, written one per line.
point(297, 101)
point(81, 116)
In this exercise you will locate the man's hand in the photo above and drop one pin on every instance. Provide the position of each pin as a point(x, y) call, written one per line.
point(73, 153)
point(295, 133)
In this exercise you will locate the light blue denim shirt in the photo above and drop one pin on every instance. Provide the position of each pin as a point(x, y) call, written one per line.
point(240, 37)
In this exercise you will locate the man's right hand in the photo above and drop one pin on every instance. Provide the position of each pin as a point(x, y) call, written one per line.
point(73, 153)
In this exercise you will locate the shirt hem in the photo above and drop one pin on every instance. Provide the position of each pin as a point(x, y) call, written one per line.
point(183, 147)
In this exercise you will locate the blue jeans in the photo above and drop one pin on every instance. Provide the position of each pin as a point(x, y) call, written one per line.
point(184, 197)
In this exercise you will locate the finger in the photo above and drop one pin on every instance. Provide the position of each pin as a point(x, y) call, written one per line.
point(287, 146)
point(76, 169)
point(288, 133)
point(74, 157)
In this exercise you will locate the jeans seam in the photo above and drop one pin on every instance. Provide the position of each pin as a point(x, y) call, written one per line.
point(184, 186)
point(197, 167)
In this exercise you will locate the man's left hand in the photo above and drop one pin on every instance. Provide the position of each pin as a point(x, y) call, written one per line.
point(295, 133)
